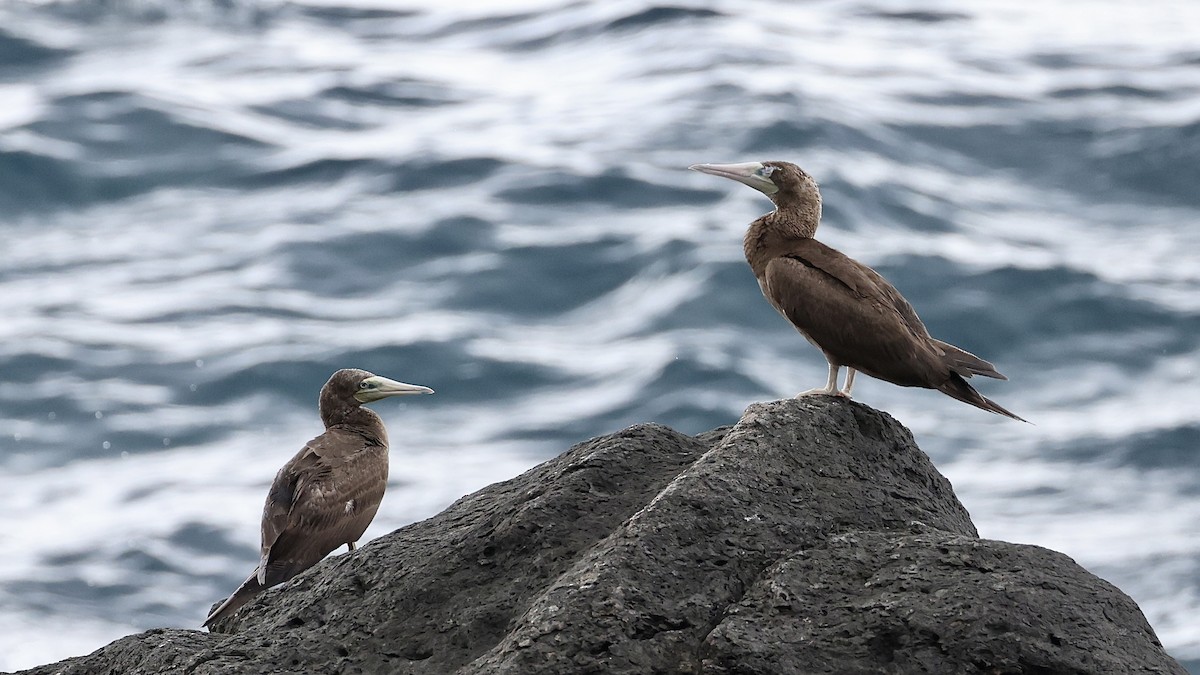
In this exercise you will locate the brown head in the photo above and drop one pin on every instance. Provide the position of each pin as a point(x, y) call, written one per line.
point(347, 390)
point(795, 194)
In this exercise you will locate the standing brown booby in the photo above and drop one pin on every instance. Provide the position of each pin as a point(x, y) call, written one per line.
point(846, 309)
point(329, 492)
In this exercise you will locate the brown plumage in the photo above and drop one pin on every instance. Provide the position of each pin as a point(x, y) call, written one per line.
point(846, 309)
point(327, 494)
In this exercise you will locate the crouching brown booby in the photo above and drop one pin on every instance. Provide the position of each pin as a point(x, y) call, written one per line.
point(329, 492)
point(846, 309)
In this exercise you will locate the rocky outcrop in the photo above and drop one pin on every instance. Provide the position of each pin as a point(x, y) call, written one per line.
point(812, 537)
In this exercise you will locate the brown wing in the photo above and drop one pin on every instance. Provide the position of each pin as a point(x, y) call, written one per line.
point(855, 316)
point(324, 497)
point(957, 359)
point(888, 292)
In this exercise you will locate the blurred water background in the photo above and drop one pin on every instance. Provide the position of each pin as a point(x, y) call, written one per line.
point(208, 206)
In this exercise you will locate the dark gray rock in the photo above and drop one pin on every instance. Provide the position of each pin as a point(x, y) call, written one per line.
point(931, 603)
point(812, 537)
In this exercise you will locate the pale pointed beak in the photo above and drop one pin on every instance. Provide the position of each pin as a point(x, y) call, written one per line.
point(747, 173)
point(375, 388)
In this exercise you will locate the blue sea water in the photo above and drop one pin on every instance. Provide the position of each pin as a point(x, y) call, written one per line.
point(208, 206)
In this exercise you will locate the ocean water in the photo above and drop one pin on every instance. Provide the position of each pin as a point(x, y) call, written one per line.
point(208, 206)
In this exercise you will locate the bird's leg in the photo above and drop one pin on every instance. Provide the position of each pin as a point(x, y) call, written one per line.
point(849, 382)
point(350, 545)
point(830, 386)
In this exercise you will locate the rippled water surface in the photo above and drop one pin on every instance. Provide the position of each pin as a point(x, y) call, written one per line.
point(208, 207)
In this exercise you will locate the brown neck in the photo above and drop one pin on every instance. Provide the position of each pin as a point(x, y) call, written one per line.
point(788, 222)
point(357, 419)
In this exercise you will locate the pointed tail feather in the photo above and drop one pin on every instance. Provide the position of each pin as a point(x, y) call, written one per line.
point(965, 363)
point(249, 588)
point(957, 387)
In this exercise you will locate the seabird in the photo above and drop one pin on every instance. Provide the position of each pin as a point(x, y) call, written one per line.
point(329, 492)
point(844, 308)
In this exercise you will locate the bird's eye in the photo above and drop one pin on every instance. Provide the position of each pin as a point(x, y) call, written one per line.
point(364, 385)
point(766, 171)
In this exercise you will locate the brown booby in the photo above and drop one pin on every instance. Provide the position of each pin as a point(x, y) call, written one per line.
point(329, 492)
point(844, 308)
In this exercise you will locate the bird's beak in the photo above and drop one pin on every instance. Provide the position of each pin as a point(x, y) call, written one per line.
point(746, 173)
point(377, 388)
